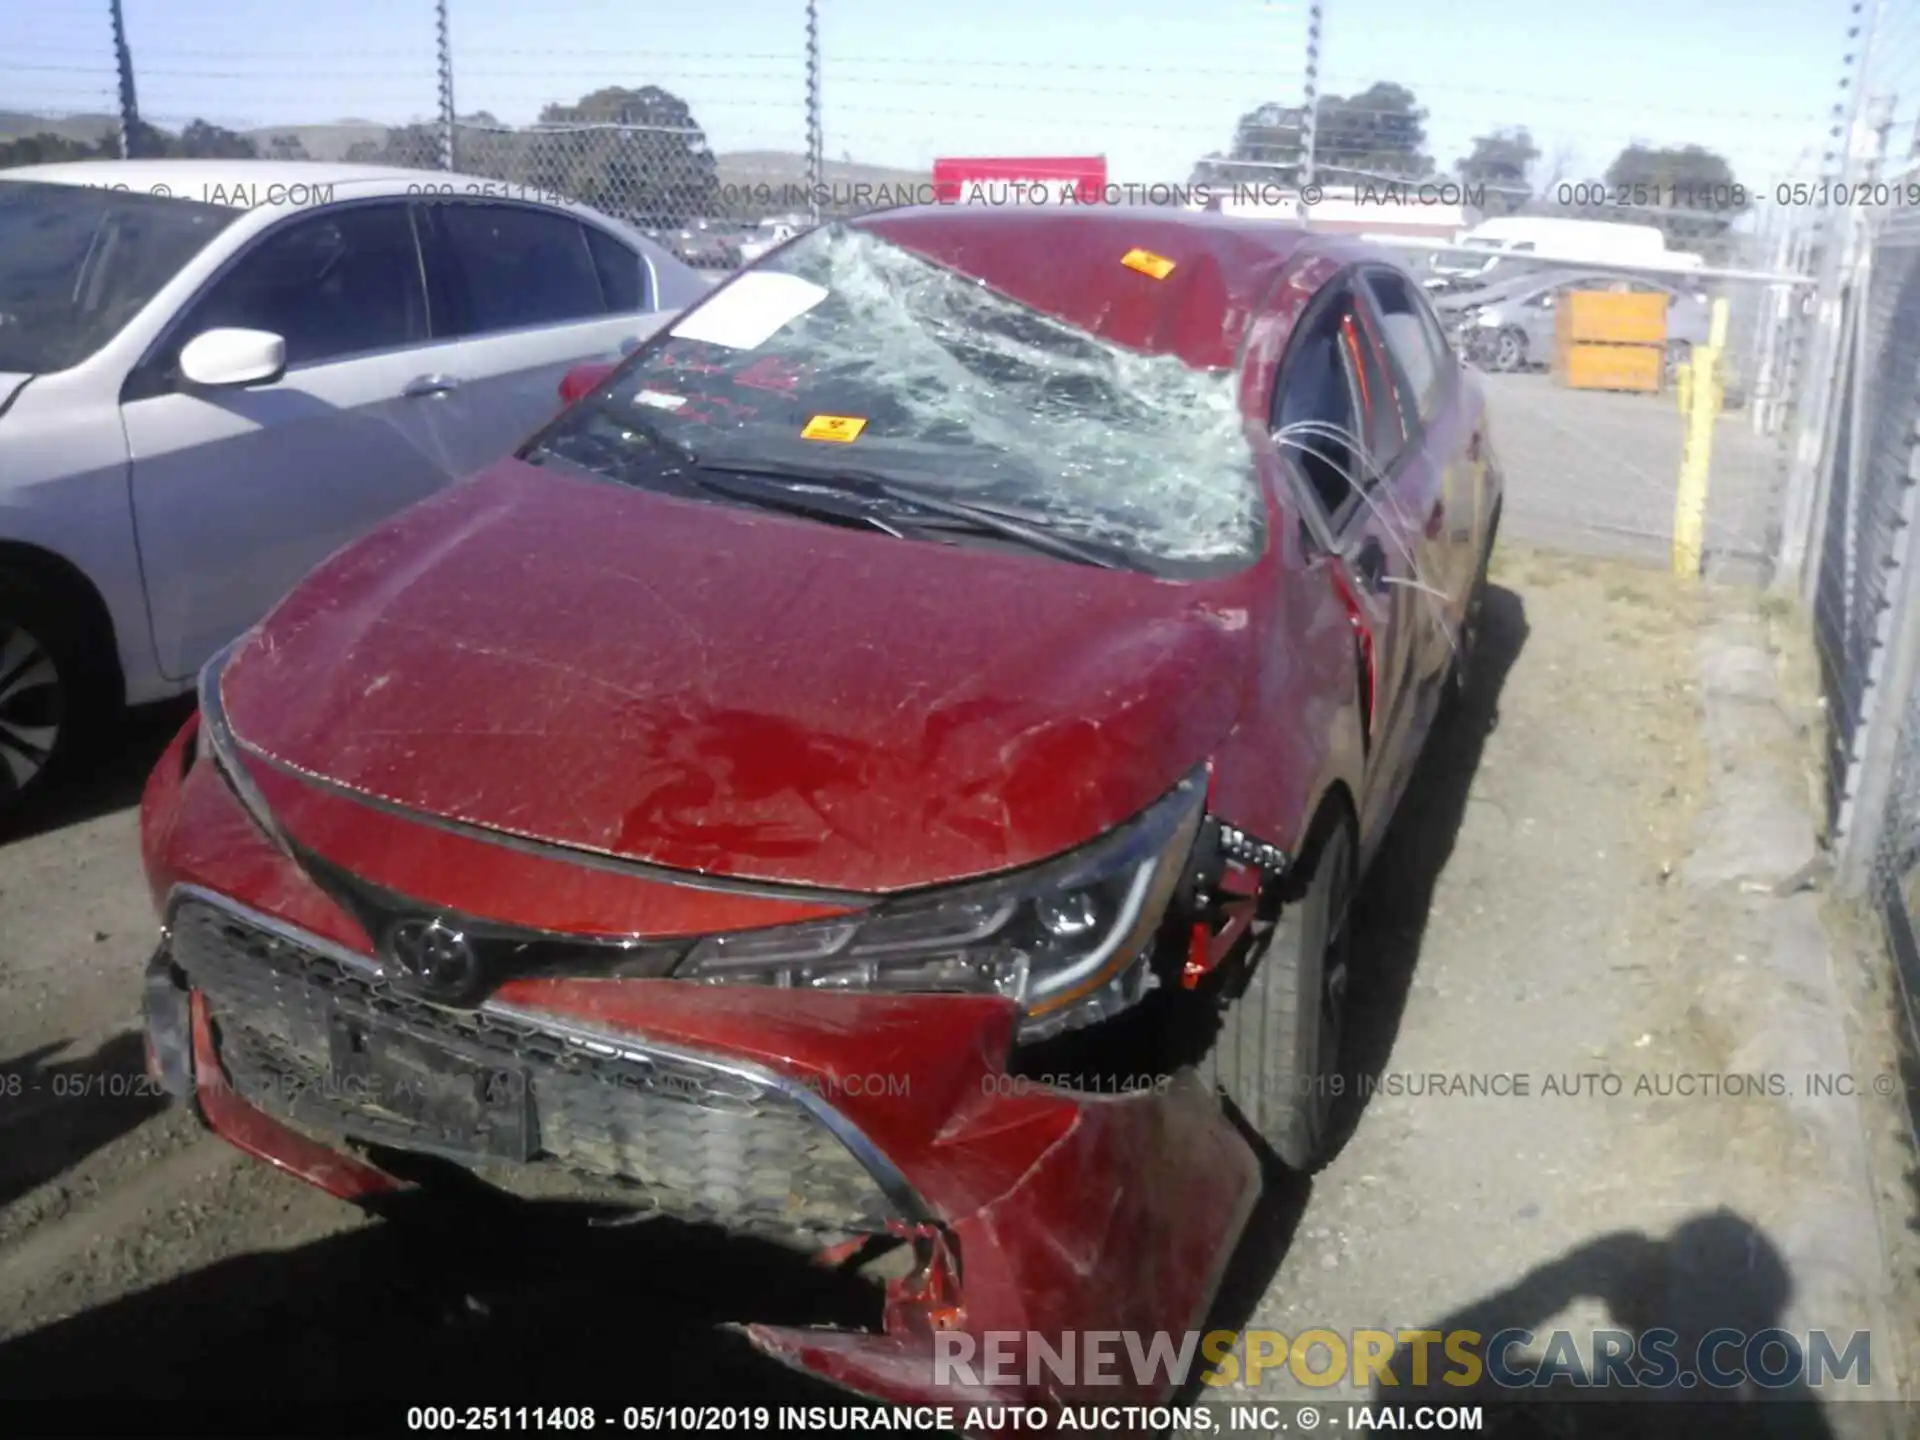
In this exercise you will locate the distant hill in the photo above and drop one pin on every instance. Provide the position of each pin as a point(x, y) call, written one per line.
point(87, 128)
point(740, 168)
point(323, 142)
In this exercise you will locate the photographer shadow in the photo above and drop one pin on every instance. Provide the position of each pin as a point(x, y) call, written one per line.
point(1715, 1272)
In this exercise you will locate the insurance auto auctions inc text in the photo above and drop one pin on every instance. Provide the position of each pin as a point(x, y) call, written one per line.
point(883, 195)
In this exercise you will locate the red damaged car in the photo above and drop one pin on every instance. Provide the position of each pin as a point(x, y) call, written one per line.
point(886, 770)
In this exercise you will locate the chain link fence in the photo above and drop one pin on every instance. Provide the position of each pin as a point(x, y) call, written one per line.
point(1848, 382)
point(1863, 575)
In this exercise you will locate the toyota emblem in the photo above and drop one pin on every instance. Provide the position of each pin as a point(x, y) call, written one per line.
point(433, 957)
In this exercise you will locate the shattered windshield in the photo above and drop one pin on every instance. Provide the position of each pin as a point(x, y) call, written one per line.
point(845, 349)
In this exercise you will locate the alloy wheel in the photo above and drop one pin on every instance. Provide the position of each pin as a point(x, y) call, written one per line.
point(32, 708)
point(1509, 351)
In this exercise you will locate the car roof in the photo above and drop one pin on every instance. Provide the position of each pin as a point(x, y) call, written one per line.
point(1069, 261)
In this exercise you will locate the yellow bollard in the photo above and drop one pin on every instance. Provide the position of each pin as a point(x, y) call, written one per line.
point(1700, 382)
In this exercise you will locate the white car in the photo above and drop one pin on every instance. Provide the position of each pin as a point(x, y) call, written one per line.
point(765, 237)
point(215, 373)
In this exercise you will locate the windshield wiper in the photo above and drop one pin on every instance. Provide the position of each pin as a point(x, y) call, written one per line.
point(749, 488)
point(871, 485)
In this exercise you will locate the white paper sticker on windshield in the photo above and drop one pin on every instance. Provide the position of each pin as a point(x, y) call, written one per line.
point(660, 399)
point(745, 315)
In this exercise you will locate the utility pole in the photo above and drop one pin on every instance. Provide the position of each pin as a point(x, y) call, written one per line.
point(123, 61)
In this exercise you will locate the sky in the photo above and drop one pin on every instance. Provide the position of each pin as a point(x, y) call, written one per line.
point(1152, 86)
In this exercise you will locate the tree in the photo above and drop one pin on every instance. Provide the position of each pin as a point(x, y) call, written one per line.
point(648, 161)
point(47, 149)
point(1500, 161)
point(1267, 148)
point(411, 147)
point(1693, 185)
point(1379, 132)
point(202, 141)
point(286, 147)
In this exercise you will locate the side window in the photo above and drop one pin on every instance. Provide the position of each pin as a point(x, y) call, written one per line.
point(1332, 406)
point(1414, 339)
point(339, 283)
point(623, 274)
point(517, 266)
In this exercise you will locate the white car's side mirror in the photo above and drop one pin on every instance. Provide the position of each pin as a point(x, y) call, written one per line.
point(233, 357)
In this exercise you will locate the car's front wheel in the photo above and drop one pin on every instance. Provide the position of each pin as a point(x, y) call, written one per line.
point(1277, 1056)
point(45, 692)
point(1510, 351)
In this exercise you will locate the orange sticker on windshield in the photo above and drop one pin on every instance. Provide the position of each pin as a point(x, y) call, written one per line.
point(1148, 263)
point(843, 428)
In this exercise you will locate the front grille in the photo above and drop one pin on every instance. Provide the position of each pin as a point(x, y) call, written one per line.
point(659, 1133)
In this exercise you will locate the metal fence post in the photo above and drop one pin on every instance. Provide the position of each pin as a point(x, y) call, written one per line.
point(447, 161)
point(1805, 480)
point(123, 63)
point(816, 143)
point(1310, 109)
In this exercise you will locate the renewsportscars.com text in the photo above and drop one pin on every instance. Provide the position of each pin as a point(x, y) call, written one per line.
point(1514, 1359)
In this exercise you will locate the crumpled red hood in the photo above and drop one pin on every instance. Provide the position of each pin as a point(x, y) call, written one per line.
point(745, 694)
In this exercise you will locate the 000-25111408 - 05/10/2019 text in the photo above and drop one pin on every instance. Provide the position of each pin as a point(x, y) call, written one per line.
point(1238, 1417)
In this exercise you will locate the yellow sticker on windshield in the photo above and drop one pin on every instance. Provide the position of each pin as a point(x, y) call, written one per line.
point(1148, 263)
point(843, 428)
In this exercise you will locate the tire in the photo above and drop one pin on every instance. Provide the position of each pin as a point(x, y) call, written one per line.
point(1510, 351)
point(1277, 1056)
point(1679, 355)
point(54, 690)
point(1467, 642)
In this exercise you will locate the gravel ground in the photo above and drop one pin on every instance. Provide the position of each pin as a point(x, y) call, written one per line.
point(1576, 891)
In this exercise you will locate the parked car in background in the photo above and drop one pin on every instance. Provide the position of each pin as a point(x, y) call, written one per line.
point(706, 246)
point(1510, 325)
point(765, 237)
point(886, 772)
point(214, 373)
point(1510, 239)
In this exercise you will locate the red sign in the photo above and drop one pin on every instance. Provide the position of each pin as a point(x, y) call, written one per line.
point(1020, 180)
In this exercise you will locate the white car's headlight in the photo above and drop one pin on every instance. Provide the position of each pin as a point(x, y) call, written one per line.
point(1069, 940)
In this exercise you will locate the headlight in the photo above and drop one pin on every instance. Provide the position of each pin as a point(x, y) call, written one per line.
point(223, 749)
point(1069, 940)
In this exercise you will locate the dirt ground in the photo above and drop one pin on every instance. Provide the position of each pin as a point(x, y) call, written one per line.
point(1581, 886)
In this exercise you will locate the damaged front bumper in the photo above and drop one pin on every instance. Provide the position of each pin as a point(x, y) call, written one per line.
point(826, 1121)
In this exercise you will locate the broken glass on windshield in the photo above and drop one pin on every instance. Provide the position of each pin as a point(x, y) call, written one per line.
point(941, 382)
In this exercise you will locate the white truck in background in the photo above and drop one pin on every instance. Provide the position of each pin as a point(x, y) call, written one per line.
point(1546, 237)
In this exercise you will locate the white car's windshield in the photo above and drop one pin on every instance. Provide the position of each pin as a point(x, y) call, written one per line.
point(849, 350)
point(78, 261)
